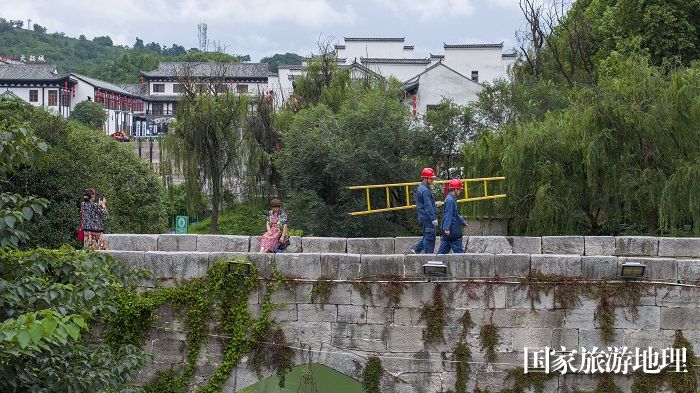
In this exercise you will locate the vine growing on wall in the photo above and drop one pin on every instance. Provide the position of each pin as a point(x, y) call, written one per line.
point(372, 375)
point(435, 316)
point(223, 292)
point(488, 337)
point(321, 290)
point(393, 288)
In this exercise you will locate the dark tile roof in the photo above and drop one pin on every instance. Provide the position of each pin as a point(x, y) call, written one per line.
point(374, 39)
point(339, 47)
point(378, 60)
point(27, 72)
point(408, 46)
point(102, 84)
point(432, 56)
point(474, 46)
point(235, 70)
point(509, 55)
point(135, 88)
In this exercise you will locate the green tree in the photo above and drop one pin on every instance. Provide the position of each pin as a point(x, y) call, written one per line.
point(207, 138)
point(18, 146)
point(103, 40)
point(52, 300)
point(90, 113)
point(445, 128)
point(618, 156)
point(39, 28)
point(369, 140)
point(274, 61)
point(77, 158)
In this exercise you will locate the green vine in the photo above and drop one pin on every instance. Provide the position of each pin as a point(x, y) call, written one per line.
point(224, 291)
point(435, 317)
point(606, 384)
point(321, 290)
point(372, 375)
point(678, 382)
point(467, 323)
point(363, 287)
point(488, 337)
point(610, 296)
point(463, 355)
point(526, 382)
point(393, 288)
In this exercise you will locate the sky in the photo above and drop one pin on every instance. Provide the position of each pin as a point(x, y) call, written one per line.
point(264, 27)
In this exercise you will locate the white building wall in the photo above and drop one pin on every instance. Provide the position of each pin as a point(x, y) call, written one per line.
point(488, 62)
point(440, 83)
point(42, 94)
point(401, 72)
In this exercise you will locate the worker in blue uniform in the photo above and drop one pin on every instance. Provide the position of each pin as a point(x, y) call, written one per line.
point(427, 213)
point(452, 223)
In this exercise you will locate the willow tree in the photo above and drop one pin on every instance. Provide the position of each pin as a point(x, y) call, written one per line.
point(208, 135)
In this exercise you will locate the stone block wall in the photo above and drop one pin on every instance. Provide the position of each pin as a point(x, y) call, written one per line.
point(343, 333)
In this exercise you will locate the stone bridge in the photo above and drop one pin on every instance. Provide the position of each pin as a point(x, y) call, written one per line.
point(486, 281)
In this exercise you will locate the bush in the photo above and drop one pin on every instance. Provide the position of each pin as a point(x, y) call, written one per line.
point(79, 158)
point(92, 114)
point(246, 219)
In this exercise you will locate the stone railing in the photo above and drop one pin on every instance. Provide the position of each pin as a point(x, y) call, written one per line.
point(623, 246)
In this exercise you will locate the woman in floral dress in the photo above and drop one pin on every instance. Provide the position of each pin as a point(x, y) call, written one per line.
point(276, 228)
point(92, 217)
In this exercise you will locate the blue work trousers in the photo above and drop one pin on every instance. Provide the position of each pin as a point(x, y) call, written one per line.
point(427, 243)
point(454, 245)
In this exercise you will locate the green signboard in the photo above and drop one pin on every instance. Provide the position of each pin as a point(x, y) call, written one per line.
point(181, 224)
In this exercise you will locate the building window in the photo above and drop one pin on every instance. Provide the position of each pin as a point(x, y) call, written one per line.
point(221, 88)
point(53, 97)
point(475, 76)
point(241, 89)
point(432, 107)
point(159, 88)
point(33, 95)
point(178, 88)
point(157, 108)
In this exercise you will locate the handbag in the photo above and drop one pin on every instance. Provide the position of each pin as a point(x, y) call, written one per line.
point(285, 244)
point(81, 234)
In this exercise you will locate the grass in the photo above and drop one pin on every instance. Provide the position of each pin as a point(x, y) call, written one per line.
point(247, 219)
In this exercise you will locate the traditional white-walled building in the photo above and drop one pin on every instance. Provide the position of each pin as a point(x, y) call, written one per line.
point(40, 85)
point(435, 83)
point(457, 74)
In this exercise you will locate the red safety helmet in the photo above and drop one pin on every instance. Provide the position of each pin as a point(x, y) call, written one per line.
point(428, 173)
point(455, 184)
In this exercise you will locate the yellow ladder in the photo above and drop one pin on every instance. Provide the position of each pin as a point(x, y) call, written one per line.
point(408, 205)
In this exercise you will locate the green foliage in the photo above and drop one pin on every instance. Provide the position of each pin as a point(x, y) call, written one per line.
point(223, 293)
point(372, 375)
point(90, 113)
point(684, 382)
point(206, 142)
point(274, 61)
point(321, 290)
point(79, 158)
point(606, 384)
point(435, 315)
point(392, 289)
point(445, 128)
point(50, 299)
point(463, 355)
point(19, 146)
point(522, 382)
point(615, 156)
point(364, 289)
point(354, 135)
point(238, 219)
point(489, 337)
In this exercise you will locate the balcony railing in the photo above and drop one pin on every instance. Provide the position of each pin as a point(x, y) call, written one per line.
point(160, 112)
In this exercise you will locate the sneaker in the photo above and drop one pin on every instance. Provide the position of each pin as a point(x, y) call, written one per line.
point(413, 251)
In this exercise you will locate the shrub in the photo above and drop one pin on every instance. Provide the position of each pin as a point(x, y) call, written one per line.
point(78, 158)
